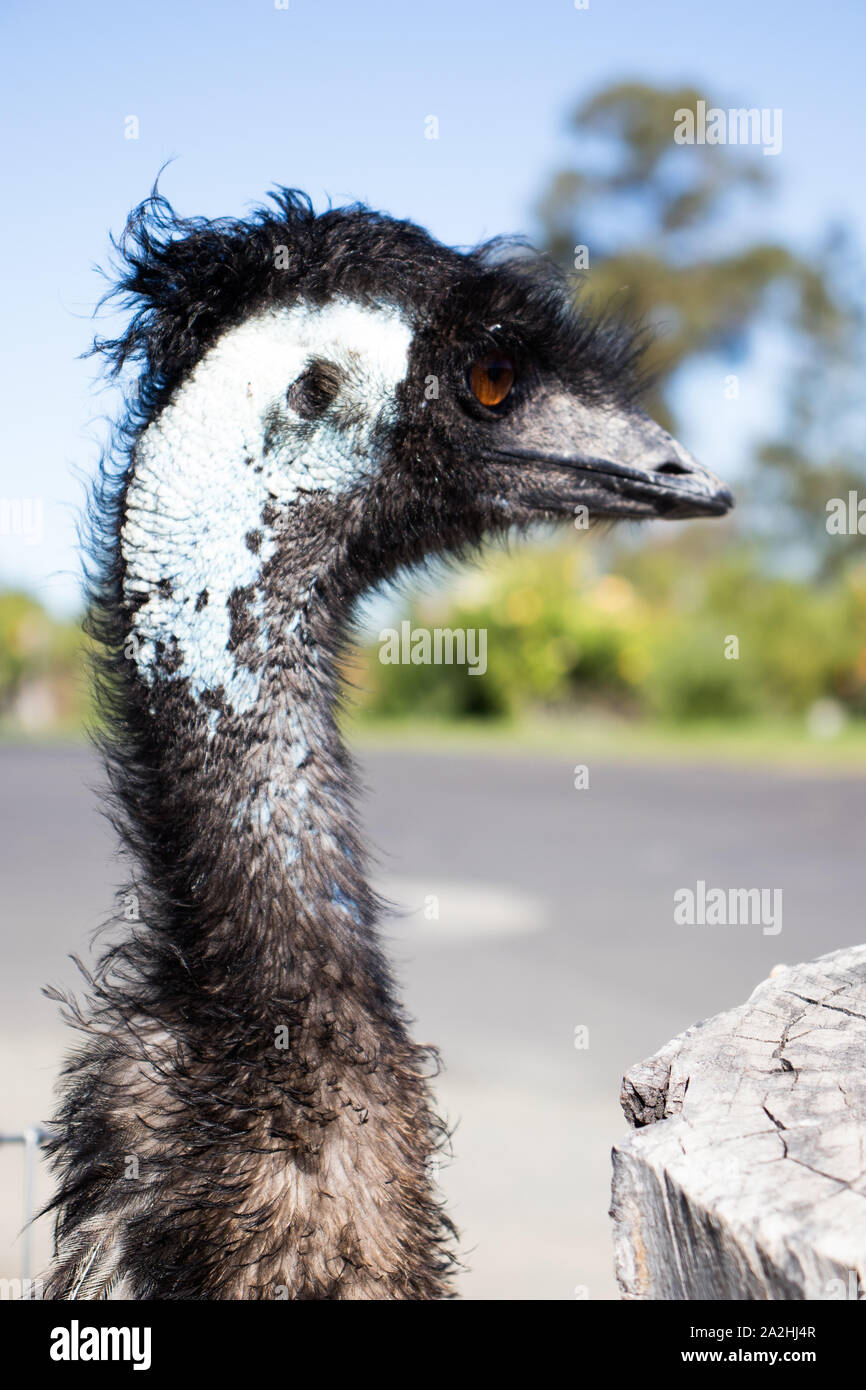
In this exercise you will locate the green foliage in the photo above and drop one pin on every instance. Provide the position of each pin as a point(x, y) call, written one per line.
point(43, 682)
point(648, 639)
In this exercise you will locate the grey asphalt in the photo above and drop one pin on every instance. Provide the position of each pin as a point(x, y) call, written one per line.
point(555, 911)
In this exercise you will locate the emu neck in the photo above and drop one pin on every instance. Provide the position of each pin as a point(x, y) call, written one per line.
point(273, 1049)
point(267, 1073)
point(236, 608)
point(258, 828)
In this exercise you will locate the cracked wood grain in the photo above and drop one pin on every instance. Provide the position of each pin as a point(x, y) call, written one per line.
point(746, 1175)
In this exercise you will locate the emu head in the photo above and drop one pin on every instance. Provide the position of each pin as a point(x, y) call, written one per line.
point(323, 400)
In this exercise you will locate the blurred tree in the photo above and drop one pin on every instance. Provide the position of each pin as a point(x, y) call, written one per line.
point(818, 458)
point(649, 212)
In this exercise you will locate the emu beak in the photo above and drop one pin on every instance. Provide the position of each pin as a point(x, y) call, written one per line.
point(617, 463)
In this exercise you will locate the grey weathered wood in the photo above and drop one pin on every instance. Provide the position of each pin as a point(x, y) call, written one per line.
point(746, 1176)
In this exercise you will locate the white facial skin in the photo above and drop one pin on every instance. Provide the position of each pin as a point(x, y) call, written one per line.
point(201, 473)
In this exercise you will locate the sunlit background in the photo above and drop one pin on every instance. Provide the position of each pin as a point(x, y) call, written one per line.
point(611, 653)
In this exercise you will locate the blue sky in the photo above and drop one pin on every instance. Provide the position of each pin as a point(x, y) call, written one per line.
point(331, 96)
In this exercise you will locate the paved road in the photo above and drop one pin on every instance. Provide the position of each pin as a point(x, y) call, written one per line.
point(555, 910)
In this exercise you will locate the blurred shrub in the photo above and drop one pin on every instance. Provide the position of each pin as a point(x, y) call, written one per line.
point(649, 638)
point(43, 681)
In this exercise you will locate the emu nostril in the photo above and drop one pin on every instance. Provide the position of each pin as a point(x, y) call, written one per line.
point(676, 468)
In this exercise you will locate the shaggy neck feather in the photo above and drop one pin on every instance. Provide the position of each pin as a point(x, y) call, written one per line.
point(249, 1054)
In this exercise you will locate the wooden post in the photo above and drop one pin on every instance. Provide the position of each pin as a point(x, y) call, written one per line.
point(746, 1176)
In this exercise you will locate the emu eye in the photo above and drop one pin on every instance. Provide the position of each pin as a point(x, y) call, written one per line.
point(491, 379)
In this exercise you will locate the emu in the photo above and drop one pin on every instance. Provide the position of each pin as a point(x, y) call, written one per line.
point(319, 401)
